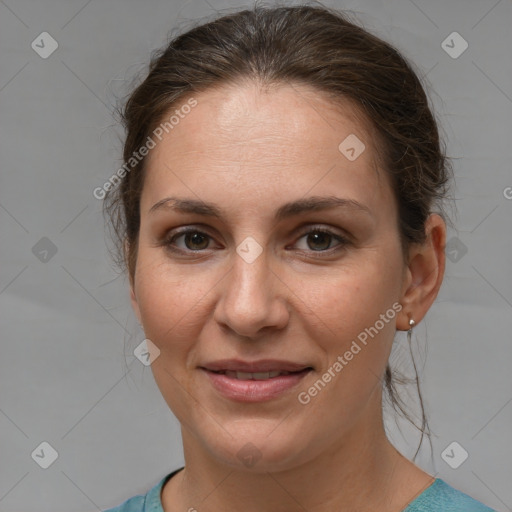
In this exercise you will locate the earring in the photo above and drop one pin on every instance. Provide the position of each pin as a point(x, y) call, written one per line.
point(412, 323)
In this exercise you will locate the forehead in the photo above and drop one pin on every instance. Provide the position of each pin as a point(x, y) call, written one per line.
point(281, 139)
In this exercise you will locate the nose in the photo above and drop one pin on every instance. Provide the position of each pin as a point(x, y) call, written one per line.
point(253, 299)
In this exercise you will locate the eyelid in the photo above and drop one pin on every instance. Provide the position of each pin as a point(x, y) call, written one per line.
point(177, 232)
point(189, 228)
point(343, 240)
point(325, 228)
point(306, 228)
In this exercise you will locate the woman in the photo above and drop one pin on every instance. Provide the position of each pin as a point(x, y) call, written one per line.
point(280, 217)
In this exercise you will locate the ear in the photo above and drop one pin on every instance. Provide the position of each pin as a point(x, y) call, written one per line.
point(424, 273)
point(133, 295)
point(134, 302)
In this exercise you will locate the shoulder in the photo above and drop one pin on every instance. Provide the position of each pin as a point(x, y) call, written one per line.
point(135, 504)
point(442, 496)
point(150, 501)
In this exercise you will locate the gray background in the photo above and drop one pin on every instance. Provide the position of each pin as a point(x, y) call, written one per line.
point(68, 375)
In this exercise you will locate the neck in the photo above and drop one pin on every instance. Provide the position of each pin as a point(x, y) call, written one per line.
point(360, 471)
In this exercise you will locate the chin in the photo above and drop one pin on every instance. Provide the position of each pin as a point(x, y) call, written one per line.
point(255, 451)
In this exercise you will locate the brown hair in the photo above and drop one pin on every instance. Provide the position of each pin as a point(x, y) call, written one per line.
point(311, 45)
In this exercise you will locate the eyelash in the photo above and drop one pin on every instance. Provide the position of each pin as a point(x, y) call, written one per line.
point(343, 241)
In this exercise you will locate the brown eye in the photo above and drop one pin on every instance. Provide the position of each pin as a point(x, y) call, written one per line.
point(189, 240)
point(319, 241)
point(196, 240)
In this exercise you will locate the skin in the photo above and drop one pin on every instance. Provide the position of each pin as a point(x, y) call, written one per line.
point(249, 151)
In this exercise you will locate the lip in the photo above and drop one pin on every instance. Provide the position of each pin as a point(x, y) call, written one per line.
point(251, 391)
point(262, 365)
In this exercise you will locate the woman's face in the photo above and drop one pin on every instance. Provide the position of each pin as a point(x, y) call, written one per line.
point(255, 280)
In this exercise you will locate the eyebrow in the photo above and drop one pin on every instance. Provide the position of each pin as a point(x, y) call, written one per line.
point(304, 205)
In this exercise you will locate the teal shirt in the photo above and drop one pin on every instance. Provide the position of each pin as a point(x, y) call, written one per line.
point(438, 497)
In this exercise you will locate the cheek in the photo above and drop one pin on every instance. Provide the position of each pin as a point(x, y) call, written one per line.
point(170, 307)
point(355, 340)
point(357, 325)
point(169, 304)
point(352, 299)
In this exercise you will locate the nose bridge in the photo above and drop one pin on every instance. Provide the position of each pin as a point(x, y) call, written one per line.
point(250, 280)
point(251, 266)
point(250, 298)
